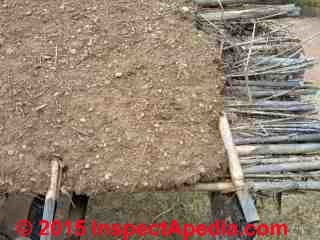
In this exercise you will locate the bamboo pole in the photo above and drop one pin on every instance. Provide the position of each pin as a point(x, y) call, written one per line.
point(283, 176)
point(278, 149)
point(216, 3)
point(254, 13)
point(287, 186)
point(283, 167)
point(315, 137)
point(257, 159)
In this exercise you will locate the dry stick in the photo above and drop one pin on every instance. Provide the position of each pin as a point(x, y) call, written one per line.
point(259, 12)
point(279, 139)
point(225, 187)
point(277, 160)
point(278, 149)
point(281, 94)
point(288, 50)
point(52, 194)
point(248, 62)
point(262, 186)
point(247, 204)
point(287, 186)
point(216, 3)
point(283, 176)
point(283, 167)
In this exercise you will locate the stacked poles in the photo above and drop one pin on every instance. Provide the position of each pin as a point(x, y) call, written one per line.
point(275, 130)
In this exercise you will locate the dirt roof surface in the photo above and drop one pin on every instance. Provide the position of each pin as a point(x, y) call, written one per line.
point(127, 93)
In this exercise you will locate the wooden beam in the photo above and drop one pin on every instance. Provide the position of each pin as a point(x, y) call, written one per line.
point(52, 194)
point(245, 199)
point(234, 162)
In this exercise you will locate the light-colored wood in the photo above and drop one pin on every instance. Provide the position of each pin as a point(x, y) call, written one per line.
point(245, 199)
point(314, 137)
point(51, 196)
point(215, 187)
point(278, 149)
point(287, 186)
point(216, 3)
point(233, 158)
point(284, 167)
point(261, 12)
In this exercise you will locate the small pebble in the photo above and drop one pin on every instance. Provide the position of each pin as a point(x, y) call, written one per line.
point(202, 169)
point(107, 176)
point(145, 183)
point(118, 75)
point(87, 166)
point(10, 51)
point(185, 9)
point(83, 120)
point(11, 152)
point(28, 13)
point(73, 51)
point(184, 163)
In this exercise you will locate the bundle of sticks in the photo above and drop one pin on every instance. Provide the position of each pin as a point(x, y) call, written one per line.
point(275, 130)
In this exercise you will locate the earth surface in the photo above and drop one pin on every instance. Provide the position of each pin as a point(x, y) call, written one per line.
point(126, 93)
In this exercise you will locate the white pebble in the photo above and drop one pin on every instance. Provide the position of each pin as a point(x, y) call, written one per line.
point(107, 176)
point(10, 152)
point(118, 74)
point(185, 9)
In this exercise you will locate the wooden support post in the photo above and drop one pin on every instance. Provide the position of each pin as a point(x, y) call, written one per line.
point(52, 195)
point(246, 201)
point(226, 207)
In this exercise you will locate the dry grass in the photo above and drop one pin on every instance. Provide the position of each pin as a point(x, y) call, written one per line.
point(300, 212)
point(307, 2)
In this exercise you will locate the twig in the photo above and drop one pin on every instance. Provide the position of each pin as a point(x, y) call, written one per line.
point(248, 62)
